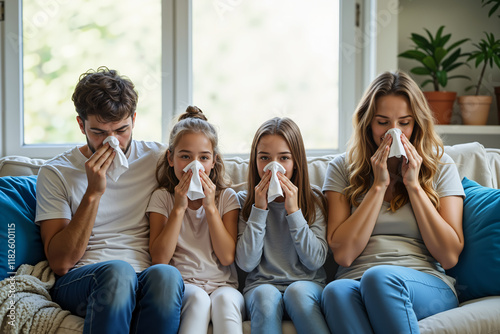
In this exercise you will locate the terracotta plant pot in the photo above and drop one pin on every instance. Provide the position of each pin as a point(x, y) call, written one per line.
point(441, 104)
point(497, 94)
point(474, 109)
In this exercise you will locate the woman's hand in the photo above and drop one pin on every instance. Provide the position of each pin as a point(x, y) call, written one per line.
point(181, 190)
point(411, 169)
point(290, 191)
point(261, 191)
point(209, 189)
point(379, 163)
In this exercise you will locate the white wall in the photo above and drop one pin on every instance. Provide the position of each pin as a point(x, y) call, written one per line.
point(461, 18)
point(387, 18)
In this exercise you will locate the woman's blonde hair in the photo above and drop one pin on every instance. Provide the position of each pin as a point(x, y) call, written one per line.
point(309, 197)
point(424, 138)
point(192, 121)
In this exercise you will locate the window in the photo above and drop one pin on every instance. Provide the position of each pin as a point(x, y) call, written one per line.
point(66, 39)
point(253, 60)
point(242, 62)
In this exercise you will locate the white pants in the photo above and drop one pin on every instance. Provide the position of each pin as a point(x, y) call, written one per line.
point(225, 307)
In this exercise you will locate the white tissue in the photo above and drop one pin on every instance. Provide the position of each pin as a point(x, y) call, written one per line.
point(397, 148)
point(195, 190)
point(120, 162)
point(274, 190)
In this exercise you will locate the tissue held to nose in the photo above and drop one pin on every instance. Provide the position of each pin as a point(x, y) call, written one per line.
point(274, 185)
point(120, 162)
point(397, 148)
point(195, 190)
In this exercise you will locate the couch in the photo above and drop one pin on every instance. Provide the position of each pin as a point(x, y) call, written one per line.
point(478, 272)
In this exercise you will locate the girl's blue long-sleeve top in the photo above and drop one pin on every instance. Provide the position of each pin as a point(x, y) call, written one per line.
point(279, 249)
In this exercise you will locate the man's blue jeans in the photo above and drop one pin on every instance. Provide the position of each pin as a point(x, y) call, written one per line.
point(113, 298)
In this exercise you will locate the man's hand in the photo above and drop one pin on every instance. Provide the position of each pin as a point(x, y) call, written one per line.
point(96, 168)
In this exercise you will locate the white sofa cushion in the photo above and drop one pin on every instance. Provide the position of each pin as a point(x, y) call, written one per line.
point(472, 162)
point(475, 316)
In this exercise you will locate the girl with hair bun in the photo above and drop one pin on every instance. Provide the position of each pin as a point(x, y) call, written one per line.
point(197, 236)
point(394, 223)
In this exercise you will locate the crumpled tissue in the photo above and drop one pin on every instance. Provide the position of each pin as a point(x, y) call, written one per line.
point(120, 162)
point(397, 148)
point(274, 190)
point(195, 190)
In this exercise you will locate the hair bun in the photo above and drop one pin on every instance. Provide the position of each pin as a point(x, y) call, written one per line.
point(192, 112)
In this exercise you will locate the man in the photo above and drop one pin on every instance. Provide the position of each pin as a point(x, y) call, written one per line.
point(94, 230)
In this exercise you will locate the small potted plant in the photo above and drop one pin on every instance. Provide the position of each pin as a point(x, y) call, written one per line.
point(475, 108)
point(437, 60)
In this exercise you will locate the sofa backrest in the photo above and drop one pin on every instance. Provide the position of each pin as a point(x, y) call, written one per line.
point(472, 159)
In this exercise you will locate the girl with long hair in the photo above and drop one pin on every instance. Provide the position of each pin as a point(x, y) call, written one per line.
point(282, 243)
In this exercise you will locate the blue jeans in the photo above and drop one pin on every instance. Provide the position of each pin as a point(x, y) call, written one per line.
point(266, 307)
point(387, 299)
point(113, 298)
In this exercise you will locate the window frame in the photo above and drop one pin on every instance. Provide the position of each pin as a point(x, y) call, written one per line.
point(176, 77)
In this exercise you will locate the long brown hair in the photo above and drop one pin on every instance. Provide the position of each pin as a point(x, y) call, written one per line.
point(309, 197)
point(192, 121)
point(424, 137)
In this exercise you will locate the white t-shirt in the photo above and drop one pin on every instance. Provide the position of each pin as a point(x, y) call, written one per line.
point(121, 228)
point(194, 255)
point(396, 238)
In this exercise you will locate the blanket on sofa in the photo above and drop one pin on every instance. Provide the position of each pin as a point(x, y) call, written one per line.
point(25, 303)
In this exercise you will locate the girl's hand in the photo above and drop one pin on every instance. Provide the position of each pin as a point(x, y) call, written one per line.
point(290, 191)
point(379, 163)
point(181, 199)
point(209, 189)
point(261, 191)
point(411, 169)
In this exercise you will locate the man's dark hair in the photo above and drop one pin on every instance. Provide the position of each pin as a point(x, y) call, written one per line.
point(105, 94)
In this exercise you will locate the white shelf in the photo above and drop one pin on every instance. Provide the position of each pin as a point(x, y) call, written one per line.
point(468, 129)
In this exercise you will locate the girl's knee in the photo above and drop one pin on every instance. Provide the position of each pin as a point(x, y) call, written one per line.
point(265, 292)
point(226, 296)
point(194, 295)
point(265, 299)
point(300, 291)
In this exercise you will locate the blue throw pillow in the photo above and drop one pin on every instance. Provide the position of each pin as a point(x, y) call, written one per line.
point(478, 269)
point(20, 240)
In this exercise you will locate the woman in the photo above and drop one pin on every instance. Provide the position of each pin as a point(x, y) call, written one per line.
point(394, 223)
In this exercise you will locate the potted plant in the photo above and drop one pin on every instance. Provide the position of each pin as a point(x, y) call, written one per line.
point(475, 108)
point(437, 60)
